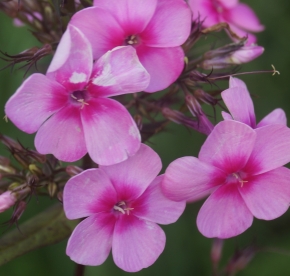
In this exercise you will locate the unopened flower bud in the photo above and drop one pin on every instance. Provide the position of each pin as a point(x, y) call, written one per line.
point(242, 55)
point(60, 196)
point(5, 165)
point(18, 211)
point(241, 259)
point(216, 251)
point(7, 200)
point(73, 170)
point(35, 170)
point(52, 189)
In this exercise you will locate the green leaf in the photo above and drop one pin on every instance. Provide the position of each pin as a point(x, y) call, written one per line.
point(48, 227)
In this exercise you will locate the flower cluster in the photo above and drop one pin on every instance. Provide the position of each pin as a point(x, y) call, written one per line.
point(108, 54)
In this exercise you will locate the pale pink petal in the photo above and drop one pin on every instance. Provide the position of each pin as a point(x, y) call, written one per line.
point(186, 177)
point(268, 195)
point(244, 17)
point(88, 193)
point(91, 241)
point(224, 214)
point(101, 29)
point(118, 72)
point(62, 135)
point(132, 176)
point(229, 3)
point(235, 82)
point(110, 132)
point(72, 63)
point(271, 150)
point(163, 64)
point(226, 116)
point(201, 195)
point(277, 116)
point(136, 243)
point(152, 205)
point(205, 11)
point(132, 15)
point(35, 101)
point(229, 146)
point(170, 26)
point(240, 105)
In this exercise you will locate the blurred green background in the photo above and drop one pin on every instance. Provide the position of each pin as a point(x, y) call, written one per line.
point(187, 252)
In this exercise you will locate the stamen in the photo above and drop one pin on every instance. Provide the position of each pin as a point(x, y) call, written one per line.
point(123, 210)
point(82, 101)
point(240, 180)
point(117, 208)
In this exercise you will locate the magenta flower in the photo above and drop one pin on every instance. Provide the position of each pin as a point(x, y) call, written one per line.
point(241, 18)
point(122, 203)
point(242, 170)
point(155, 28)
point(7, 200)
point(69, 107)
point(238, 101)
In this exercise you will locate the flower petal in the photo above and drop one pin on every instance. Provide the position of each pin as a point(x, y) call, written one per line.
point(170, 26)
point(271, 149)
point(88, 193)
point(72, 63)
point(91, 241)
point(62, 135)
point(132, 15)
point(226, 116)
point(136, 243)
point(132, 176)
point(101, 28)
point(111, 134)
point(118, 72)
point(277, 116)
point(224, 214)
point(163, 64)
point(235, 82)
point(268, 195)
point(205, 11)
point(233, 97)
point(152, 205)
point(237, 16)
point(186, 177)
point(229, 146)
point(35, 101)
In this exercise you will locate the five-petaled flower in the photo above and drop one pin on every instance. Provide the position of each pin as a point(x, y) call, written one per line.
point(241, 169)
point(155, 28)
point(69, 107)
point(122, 203)
point(238, 101)
point(240, 17)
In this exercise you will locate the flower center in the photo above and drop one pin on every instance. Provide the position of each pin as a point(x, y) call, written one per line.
point(237, 177)
point(122, 207)
point(132, 40)
point(80, 98)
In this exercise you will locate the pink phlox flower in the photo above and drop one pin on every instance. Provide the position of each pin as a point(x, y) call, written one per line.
point(70, 109)
point(7, 200)
point(240, 17)
point(122, 203)
point(238, 101)
point(241, 169)
point(155, 28)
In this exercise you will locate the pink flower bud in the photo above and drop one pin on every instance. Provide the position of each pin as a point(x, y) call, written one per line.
point(7, 199)
point(243, 55)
